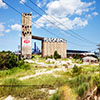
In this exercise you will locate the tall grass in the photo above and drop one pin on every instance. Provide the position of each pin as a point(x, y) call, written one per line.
point(17, 88)
point(47, 80)
point(55, 96)
point(14, 70)
point(81, 84)
point(83, 88)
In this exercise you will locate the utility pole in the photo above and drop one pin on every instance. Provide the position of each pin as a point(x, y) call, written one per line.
point(99, 60)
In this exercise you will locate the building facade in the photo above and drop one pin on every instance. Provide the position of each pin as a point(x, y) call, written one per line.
point(50, 45)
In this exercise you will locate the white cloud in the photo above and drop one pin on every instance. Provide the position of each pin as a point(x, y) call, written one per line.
point(35, 16)
point(95, 13)
point(79, 22)
point(41, 3)
point(88, 16)
point(65, 7)
point(8, 30)
point(68, 23)
point(63, 10)
point(3, 30)
point(16, 27)
point(91, 15)
point(22, 1)
point(2, 4)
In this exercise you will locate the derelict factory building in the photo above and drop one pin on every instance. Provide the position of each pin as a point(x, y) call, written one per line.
point(49, 45)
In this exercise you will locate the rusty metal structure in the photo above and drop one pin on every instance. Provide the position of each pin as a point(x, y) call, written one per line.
point(49, 45)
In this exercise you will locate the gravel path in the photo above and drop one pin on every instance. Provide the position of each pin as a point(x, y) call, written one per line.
point(41, 73)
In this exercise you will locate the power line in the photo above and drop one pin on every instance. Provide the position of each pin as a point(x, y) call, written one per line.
point(60, 37)
point(47, 19)
point(62, 24)
point(52, 22)
point(39, 25)
point(46, 30)
point(12, 7)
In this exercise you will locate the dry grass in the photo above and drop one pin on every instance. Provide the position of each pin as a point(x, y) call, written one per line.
point(66, 93)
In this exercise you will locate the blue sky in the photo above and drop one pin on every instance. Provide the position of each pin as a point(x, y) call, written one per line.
point(80, 16)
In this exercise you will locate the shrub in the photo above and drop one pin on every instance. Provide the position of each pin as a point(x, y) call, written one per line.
point(77, 56)
point(56, 55)
point(24, 66)
point(9, 60)
point(77, 70)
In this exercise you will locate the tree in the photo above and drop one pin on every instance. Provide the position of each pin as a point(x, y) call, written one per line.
point(8, 60)
point(77, 56)
point(56, 55)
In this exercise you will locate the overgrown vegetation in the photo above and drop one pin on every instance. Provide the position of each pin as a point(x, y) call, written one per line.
point(77, 56)
point(55, 96)
point(72, 83)
point(81, 84)
point(17, 88)
point(9, 60)
point(55, 56)
point(23, 68)
point(76, 70)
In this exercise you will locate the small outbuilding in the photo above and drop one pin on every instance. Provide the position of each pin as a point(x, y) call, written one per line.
point(90, 59)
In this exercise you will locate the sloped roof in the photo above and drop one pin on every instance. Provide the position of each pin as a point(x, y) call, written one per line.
point(89, 58)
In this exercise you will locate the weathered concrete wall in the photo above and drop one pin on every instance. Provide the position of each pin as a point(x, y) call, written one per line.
point(49, 46)
point(26, 37)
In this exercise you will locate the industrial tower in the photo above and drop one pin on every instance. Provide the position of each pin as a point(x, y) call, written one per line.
point(26, 36)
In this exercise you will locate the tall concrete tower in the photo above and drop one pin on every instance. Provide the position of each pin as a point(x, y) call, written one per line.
point(26, 36)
